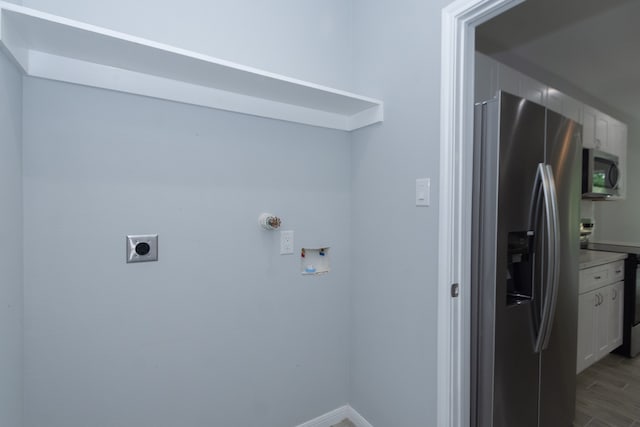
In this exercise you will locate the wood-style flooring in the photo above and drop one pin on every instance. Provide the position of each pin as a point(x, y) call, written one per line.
point(608, 393)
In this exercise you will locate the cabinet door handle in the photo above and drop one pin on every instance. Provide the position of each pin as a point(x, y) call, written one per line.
point(618, 271)
point(597, 277)
point(615, 294)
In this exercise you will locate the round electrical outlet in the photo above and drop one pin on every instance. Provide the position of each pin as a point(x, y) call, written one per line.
point(142, 248)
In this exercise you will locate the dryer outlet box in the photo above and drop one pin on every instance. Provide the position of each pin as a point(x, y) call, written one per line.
point(142, 248)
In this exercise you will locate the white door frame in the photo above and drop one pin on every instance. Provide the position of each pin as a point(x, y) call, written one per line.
point(459, 20)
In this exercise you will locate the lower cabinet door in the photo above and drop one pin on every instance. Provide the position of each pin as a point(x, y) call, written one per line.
point(603, 341)
point(616, 309)
point(587, 311)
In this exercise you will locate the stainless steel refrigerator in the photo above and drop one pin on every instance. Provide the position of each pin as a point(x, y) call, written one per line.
point(526, 201)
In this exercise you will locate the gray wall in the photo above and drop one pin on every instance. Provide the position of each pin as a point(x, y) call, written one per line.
point(222, 331)
point(10, 244)
point(395, 244)
point(232, 335)
point(618, 221)
point(310, 40)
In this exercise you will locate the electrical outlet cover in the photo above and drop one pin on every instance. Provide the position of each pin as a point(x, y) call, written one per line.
point(286, 242)
point(142, 248)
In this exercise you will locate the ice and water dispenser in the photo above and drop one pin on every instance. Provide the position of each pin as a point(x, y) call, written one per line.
point(520, 267)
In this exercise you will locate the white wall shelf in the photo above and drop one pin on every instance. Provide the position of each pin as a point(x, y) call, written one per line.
point(56, 48)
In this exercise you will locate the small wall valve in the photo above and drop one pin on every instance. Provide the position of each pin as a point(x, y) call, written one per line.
point(269, 221)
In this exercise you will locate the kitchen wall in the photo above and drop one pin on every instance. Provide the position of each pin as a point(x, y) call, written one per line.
point(310, 40)
point(10, 244)
point(617, 221)
point(395, 258)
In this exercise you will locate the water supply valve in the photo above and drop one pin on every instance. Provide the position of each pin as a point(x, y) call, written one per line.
point(269, 221)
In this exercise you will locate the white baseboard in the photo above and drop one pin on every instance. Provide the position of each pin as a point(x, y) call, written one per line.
point(328, 419)
point(357, 419)
point(337, 415)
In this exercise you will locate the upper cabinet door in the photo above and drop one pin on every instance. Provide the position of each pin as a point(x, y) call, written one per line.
point(617, 145)
point(509, 79)
point(486, 78)
point(599, 131)
point(532, 89)
point(589, 127)
point(572, 108)
point(563, 104)
point(555, 100)
point(602, 132)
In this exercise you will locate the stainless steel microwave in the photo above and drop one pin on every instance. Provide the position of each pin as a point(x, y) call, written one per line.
point(600, 174)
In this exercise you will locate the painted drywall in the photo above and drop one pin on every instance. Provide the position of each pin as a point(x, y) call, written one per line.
point(223, 330)
point(231, 336)
point(617, 221)
point(10, 244)
point(395, 244)
point(310, 40)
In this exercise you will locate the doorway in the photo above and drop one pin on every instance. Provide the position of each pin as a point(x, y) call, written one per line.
point(492, 20)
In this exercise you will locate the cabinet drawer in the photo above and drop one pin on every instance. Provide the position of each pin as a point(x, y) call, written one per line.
point(595, 277)
point(617, 271)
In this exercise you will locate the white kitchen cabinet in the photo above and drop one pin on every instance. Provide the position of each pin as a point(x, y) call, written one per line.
point(509, 79)
point(563, 104)
point(589, 127)
point(532, 89)
point(572, 108)
point(600, 312)
point(593, 327)
point(587, 321)
point(617, 145)
point(602, 133)
point(492, 76)
point(486, 77)
point(602, 317)
point(599, 130)
point(595, 129)
point(616, 310)
point(599, 323)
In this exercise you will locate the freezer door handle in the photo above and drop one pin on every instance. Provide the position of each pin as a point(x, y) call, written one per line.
point(553, 250)
point(544, 193)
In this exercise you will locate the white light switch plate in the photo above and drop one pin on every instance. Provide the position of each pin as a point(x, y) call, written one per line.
point(286, 242)
point(423, 190)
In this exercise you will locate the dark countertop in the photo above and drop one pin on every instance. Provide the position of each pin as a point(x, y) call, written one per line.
point(626, 249)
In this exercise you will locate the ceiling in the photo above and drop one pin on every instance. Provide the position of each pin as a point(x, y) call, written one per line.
point(591, 45)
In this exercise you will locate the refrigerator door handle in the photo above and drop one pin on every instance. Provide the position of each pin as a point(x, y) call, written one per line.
point(534, 214)
point(553, 248)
